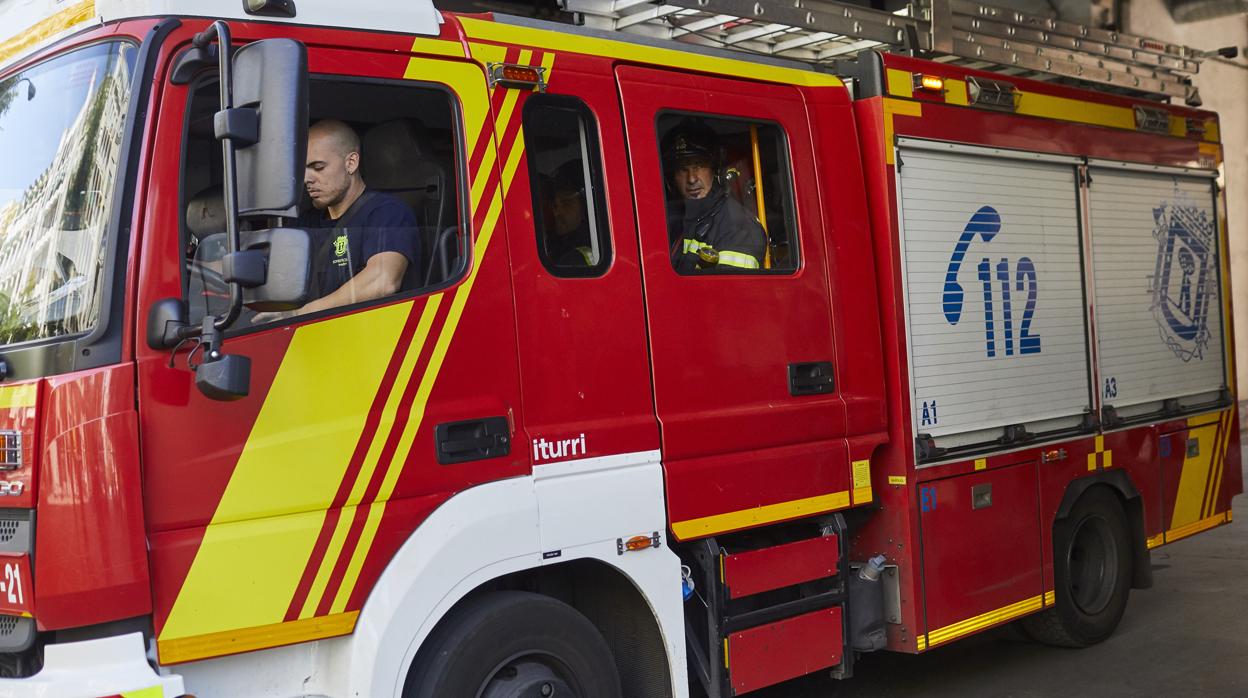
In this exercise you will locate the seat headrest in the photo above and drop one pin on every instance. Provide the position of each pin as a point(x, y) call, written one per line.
point(205, 212)
point(394, 155)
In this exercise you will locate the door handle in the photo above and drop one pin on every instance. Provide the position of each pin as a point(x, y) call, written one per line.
point(473, 439)
point(981, 496)
point(814, 378)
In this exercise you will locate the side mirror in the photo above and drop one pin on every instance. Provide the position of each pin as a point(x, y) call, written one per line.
point(261, 126)
point(271, 82)
point(288, 276)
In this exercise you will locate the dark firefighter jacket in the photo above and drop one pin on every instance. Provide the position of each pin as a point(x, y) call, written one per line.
point(721, 222)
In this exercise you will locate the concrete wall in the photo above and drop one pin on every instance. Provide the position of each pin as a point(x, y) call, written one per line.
point(1224, 89)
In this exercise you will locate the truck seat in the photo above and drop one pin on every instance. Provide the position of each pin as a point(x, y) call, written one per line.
point(396, 159)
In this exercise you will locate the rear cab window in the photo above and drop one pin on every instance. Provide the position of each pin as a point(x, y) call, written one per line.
point(565, 171)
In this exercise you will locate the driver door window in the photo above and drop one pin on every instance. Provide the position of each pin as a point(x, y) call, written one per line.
point(406, 145)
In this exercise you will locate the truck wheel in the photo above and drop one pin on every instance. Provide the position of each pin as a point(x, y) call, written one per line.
point(513, 644)
point(1091, 572)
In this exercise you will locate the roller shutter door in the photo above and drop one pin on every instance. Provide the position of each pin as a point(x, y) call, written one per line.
point(994, 290)
point(1158, 300)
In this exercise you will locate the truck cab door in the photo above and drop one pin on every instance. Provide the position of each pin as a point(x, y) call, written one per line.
point(280, 509)
point(743, 366)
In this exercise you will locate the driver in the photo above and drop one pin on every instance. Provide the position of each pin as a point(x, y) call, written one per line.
point(369, 246)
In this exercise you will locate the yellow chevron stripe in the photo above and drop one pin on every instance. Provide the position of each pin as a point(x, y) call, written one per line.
point(756, 516)
point(921, 642)
point(401, 453)
point(395, 468)
point(970, 625)
point(391, 410)
point(1156, 541)
point(1215, 468)
point(256, 548)
point(1190, 495)
point(385, 426)
point(332, 551)
point(459, 301)
point(1213, 465)
point(1050, 597)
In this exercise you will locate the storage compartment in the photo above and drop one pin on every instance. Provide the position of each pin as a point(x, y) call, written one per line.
point(768, 654)
point(994, 294)
point(757, 571)
point(1157, 265)
point(981, 550)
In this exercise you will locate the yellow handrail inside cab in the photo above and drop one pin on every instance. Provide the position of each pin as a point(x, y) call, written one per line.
point(758, 195)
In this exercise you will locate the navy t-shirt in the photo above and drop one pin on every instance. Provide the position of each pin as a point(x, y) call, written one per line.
point(375, 223)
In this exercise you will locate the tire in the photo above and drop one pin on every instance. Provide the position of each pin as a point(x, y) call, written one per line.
point(1091, 573)
point(513, 644)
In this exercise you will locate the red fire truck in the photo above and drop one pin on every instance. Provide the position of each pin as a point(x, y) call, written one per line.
point(976, 366)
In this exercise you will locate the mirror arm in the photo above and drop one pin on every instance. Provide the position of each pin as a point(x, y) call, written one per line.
point(221, 31)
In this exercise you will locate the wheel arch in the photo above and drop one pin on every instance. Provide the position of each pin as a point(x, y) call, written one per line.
point(505, 534)
point(1119, 482)
point(611, 600)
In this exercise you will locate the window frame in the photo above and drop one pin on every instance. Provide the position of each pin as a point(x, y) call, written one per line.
point(788, 197)
point(597, 209)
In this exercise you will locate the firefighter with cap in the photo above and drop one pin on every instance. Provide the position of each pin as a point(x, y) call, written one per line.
point(567, 234)
point(711, 231)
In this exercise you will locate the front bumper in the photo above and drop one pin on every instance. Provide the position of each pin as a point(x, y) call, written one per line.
point(111, 666)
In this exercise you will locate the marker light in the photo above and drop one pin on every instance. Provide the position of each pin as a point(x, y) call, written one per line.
point(637, 543)
point(932, 83)
point(518, 76)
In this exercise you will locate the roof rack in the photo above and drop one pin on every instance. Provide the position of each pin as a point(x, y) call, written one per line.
point(962, 32)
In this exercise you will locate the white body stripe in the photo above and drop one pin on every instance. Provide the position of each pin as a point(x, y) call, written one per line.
point(578, 507)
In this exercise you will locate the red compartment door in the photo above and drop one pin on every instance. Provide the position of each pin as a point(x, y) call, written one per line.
point(981, 550)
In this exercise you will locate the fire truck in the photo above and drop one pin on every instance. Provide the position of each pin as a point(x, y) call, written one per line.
point(980, 365)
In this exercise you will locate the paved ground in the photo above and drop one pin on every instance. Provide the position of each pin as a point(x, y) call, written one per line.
point(1187, 636)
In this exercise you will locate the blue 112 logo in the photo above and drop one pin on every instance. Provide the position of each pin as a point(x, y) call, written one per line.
point(985, 224)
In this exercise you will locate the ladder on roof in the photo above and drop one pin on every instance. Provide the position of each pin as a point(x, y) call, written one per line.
point(963, 32)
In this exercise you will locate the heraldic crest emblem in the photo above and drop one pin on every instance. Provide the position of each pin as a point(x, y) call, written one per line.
point(1185, 282)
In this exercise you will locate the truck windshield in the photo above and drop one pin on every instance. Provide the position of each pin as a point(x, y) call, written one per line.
point(61, 125)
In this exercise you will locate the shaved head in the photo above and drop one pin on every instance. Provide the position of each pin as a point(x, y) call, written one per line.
point(332, 172)
point(342, 137)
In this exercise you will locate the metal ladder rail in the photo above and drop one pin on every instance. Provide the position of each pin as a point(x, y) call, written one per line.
point(819, 31)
